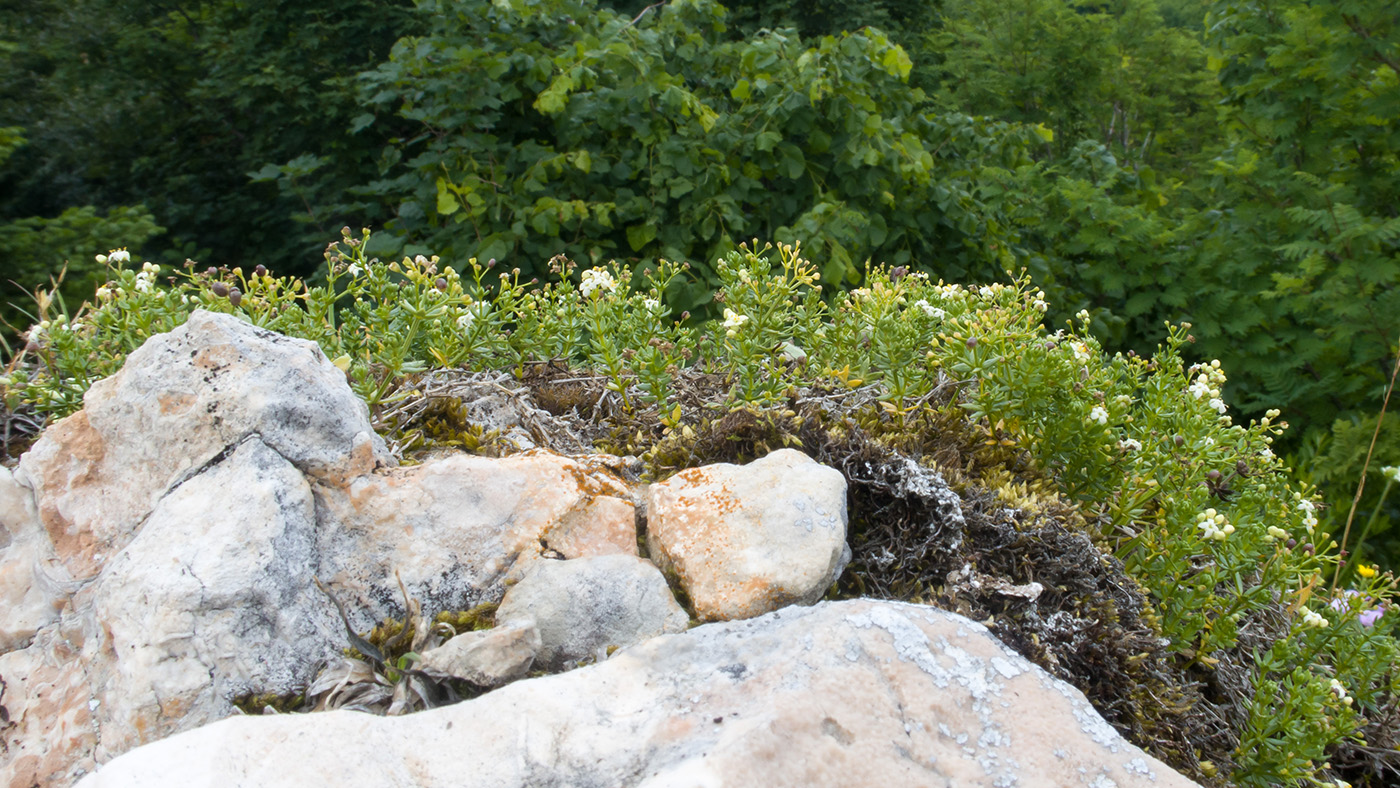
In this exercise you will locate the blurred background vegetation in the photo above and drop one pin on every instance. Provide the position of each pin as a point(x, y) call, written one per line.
point(1225, 163)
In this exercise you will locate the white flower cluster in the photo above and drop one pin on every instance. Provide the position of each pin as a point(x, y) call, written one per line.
point(1209, 379)
point(595, 279)
point(116, 257)
point(1039, 302)
point(930, 309)
point(1213, 525)
point(651, 304)
point(732, 321)
point(1130, 444)
point(146, 277)
point(1309, 510)
point(1391, 472)
point(1314, 620)
point(1098, 414)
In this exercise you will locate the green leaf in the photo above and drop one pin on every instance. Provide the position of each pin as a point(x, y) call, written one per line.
point(447, 203)
point(741, 90)
point(639, 235)
point(896, 62)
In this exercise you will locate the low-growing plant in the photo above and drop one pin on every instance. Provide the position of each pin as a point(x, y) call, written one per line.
point(1201, 513)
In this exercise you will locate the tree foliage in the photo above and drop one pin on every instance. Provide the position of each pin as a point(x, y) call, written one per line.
point(550, 127)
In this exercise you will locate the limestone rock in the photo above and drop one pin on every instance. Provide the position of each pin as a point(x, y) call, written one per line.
point(178, 404)
point(456, 528)
point(209, 600)
point(846, 694)
point(586, 605)
point(747, 540)
point(488, 658)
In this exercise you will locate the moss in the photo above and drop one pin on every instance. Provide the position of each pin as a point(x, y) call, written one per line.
point(258, 702)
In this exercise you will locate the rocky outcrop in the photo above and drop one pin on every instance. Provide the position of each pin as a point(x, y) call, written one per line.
point(748, 539)
point(843, 694)
point(160, 547)
point(161, 553)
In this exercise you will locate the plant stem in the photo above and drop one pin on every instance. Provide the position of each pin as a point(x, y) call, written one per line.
point(1361, 485)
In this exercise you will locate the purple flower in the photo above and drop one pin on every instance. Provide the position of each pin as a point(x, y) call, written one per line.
point(1367, 617)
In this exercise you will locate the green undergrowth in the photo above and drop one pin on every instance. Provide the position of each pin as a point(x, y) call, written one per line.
point(1112, 522)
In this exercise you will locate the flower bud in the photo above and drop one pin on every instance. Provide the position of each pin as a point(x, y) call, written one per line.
point(211, 272)
point(441, 284)
point(235, 296)
point(220, 289)
point(260, 270)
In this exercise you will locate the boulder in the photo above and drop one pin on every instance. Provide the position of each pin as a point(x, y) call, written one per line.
point(209, 600)
point(747, 540)
point(180, 403)
point(846, 694)
point(488, 658)
point(586, 606)
point(457, 528)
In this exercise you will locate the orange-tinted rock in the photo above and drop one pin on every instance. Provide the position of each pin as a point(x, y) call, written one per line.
point(747, 540)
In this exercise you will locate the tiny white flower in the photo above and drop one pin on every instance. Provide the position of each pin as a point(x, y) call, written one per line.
point(594, 279)
point(119, 256)
point(1200, 387)
point(732, 321)
point(104, 292)
point(1219, 405)
point(1312, 619)
point(1081, 351)
point(930, 309)
point(651, 304)
point(1392, 472)
point(465, 320)
point(1267, 453)
point(1098, 414)
point(354, 269)
point(1129, 444)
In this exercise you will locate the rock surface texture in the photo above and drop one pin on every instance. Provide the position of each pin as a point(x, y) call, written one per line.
point(586, 606)
point(745, 540)
point(843, 694)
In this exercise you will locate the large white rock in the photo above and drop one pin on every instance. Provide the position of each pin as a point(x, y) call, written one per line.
point(845, 694)
point(585, 606)
point(745, 540)
point(182, 400)
point(209, 600)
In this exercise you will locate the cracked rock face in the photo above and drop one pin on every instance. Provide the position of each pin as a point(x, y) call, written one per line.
point(748, 539)
point(844, 694)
